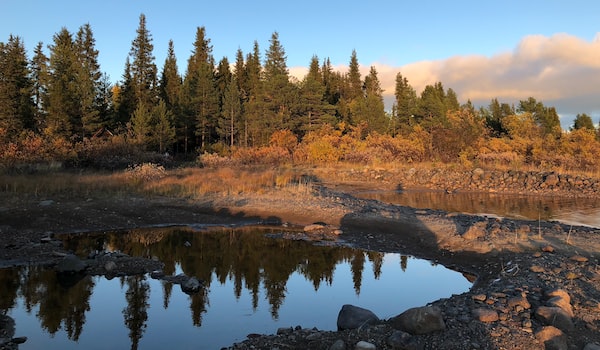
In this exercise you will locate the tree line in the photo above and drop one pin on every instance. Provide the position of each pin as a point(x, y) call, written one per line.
point(216, 106)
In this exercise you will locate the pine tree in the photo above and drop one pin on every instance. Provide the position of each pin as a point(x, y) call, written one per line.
point(140, 125)
point(351, 103)
point(432, 106)
point(89, 81)
point(314, 109)
point(374, 112)
point(163, 132)
point(228, 126)
point(16, 105)
point(253, 107)
point(199, 91)
point(39, 77)
point(143, 69)
point(405, 104)
point(64, 112)
point(124, 100)
point(170, 89)
point(278, 94)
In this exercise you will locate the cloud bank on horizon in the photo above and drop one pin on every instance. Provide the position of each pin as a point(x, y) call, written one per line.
point(561, 71)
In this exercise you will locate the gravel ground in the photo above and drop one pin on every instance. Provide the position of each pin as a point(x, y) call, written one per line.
point(511, 259)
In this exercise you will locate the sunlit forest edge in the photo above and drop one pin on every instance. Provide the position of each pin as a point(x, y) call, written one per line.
point(59, 111)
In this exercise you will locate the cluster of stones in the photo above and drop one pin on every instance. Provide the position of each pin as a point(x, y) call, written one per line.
point(511, 181)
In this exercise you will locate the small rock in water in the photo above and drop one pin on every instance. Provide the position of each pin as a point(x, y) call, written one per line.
point(191, 286)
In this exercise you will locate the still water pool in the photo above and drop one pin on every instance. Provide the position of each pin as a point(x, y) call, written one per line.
point(253, 284)
point(576, 211)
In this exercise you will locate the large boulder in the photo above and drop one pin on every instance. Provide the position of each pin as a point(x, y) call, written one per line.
point(555, 316)
point(419, 320)
point(353, 317)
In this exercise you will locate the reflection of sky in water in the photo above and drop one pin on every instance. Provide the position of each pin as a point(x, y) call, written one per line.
point(229, 320)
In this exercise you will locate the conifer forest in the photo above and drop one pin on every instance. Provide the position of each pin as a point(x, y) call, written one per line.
point(58, 106)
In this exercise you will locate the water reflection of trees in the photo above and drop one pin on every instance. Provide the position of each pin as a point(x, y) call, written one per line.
point(246, 257)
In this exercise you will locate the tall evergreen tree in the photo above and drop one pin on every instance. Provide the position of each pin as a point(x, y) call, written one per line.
point(16, 104)
point(314, 109)
point(228, 126)
point(432, 106)
point(163, 132)
point(170, 89)
point(199, 91)
point(374, 112)
point(223, 77)
point(351, 103)
point(143, 69)
point(89, 81)
point(405, 104)
point(278, 95)
point(39, 77)
point(355, 85)
point(331, 81)
point(253, 106)
point(124, 99)
point(64, 112)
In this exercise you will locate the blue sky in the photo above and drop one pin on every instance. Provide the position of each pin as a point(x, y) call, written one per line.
point(482, 49)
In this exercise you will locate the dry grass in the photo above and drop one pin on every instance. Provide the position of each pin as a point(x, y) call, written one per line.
point(147, 179)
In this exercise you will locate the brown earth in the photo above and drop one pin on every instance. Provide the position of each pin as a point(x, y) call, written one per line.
point(512, 259)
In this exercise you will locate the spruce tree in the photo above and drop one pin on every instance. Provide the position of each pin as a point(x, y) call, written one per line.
point(228, 126)
point(405, 104)
point(170, 88)
point(278, 94)
point(163, 132)
point(16, 104)
point(64, 112)
point(89, 81)
point(374, 113)
point(313, 108)
point(124, 100)
point(199, 91)
point(143, 69)
point(39, 77)
point(253, 107)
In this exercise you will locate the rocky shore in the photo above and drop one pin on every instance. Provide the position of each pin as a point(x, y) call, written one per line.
point(537, 283)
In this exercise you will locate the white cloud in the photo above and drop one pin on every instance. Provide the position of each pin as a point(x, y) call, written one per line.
point(561, 70)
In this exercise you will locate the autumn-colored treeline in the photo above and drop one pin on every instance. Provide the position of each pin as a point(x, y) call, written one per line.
point(59, 107)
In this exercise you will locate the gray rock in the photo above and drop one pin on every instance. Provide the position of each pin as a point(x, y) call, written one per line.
point(402, 341)
point(419, 320)
point(353, 317)
point(191, 286)
point(46, 203)
point(555, 316)
point(71, 263)
point(363, 345)
point(338, 345)
point(110, 265)
point(591, 346)
point(552, 338)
